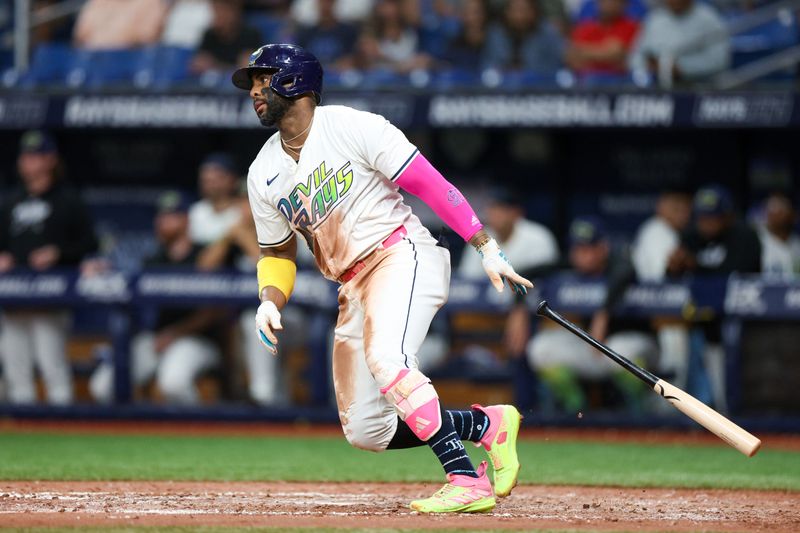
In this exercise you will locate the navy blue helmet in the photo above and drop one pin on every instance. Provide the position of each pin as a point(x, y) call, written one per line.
point(295, 71)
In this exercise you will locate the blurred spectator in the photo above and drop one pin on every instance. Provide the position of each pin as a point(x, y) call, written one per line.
point(186, 23)
point(467, 48)
point(183, 343)
point(718, 243)
point(264, 373)
point(528, 244)
point(58, 30)
point(228, 42)
point(219, 210)
point(42, 226)
point(684, 40)
point(222, 225)
point(780, 243)
point(389, 41)
point(602, 44)
point(655, 241)
point(524, 40)
point(561, 358)
point(307, 12)
point(660, 235)
point(330, 39)
point(104, 24)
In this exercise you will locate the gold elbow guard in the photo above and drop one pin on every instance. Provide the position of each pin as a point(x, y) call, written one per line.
point(276, 272)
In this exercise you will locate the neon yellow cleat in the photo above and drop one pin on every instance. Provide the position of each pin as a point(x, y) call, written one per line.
point(500, 442)
point(461, 494)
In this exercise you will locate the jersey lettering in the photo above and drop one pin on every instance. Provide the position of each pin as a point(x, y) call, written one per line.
point(322, 191)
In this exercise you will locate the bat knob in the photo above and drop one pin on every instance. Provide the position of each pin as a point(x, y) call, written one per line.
point(543, 308)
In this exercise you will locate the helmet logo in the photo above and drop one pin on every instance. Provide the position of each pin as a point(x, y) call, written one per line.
point(254, 56)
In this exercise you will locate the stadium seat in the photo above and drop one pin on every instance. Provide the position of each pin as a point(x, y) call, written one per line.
point(273, 29)
point(50, 64)
point(108, 68)
point(455, 78)
point(637, 9)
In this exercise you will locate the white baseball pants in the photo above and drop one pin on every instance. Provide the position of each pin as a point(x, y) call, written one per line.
point(176, 369)
point(384, 315)
point(556, 347)
point(35, 339)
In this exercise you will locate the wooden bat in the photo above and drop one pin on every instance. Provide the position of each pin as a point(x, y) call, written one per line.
point(717, 424)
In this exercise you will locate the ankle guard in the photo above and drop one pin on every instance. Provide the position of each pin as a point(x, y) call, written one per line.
point(416, 402)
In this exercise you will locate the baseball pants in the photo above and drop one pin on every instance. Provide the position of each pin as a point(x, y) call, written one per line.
point(554, 347)
point(384, 315)
point(36, 339)
point(176, 369)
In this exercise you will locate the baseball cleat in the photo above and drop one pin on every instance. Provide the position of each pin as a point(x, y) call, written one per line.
point(461, 494)
point(500, 442)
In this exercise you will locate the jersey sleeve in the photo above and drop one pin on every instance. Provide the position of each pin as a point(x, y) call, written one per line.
point(272, 228)
point(381, 145)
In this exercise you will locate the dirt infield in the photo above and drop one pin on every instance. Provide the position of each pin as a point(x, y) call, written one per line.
point(280, 505)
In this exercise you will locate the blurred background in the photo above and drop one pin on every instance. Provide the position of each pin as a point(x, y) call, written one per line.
point(637, 158)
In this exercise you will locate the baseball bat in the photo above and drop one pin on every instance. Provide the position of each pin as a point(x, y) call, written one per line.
point(707, 417)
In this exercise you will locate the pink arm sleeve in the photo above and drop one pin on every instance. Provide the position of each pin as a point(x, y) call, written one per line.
point(427, 184)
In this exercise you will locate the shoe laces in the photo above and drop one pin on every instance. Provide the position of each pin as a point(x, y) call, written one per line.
point(446, 491)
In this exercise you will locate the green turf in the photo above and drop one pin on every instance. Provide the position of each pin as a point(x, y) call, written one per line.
point(102, 457)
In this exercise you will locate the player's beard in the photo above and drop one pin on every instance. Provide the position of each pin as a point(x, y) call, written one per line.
point(277, 107)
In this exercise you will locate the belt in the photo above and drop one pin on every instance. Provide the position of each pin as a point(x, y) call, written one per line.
point(396, 236)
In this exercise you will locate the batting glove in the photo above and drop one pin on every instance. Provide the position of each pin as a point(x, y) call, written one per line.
point(268, 320)
point(497, 267)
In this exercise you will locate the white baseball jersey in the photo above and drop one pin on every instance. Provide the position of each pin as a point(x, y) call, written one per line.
point(340, 196)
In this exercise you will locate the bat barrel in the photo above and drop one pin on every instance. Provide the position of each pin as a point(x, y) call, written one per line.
point(734, 435)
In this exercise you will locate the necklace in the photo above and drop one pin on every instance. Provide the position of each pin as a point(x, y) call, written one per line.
point(289, 146)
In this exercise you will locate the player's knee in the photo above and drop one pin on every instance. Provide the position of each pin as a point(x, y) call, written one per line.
point(367, 434)
point(416, 402)
point(175, 386)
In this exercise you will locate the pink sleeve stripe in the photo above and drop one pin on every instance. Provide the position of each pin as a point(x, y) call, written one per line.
point(427, 184)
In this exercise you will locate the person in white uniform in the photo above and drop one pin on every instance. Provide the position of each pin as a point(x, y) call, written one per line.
point(532, 246)
point(657, 238)
point(331, 175)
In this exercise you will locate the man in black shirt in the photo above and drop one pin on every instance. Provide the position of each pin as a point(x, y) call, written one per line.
point(717, 243)
point(182, 344)
point(559, 357)
point(43, 225)
point(228, 42)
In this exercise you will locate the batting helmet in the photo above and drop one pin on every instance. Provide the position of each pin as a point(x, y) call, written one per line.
point(295, 71)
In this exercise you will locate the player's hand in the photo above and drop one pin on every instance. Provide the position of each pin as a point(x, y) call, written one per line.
point(268, 320)
point(497, 267)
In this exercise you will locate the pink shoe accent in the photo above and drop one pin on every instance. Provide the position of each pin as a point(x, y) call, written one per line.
point(481, 483)
point(495, 415)
point(502, 438)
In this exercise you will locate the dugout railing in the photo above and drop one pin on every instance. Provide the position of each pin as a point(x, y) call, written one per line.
point(737, 301)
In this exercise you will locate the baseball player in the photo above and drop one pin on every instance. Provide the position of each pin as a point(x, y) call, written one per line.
point(331, 175)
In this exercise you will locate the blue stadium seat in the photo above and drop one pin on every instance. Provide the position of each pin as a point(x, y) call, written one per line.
point(637, 9)
point(764, 40)
point(169, 66)
point(50, 64)
point(273, 29)
point(455, 78)
point(523, 79)
point(107, 68)
point(599, 79)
